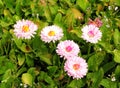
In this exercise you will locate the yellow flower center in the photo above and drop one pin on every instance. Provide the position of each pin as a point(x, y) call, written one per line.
point(25, 28)
point(76, 66)
point(51, 33)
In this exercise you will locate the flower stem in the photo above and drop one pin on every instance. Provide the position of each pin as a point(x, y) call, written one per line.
point(89, 48)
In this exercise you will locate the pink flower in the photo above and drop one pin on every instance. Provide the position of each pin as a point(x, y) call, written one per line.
point(97, 22)
point(25, 29)
point(76, 67)
point(51, 33)
point(91, 33)
point(67, 49)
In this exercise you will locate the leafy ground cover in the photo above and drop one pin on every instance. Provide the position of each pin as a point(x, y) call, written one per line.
point(59, 44)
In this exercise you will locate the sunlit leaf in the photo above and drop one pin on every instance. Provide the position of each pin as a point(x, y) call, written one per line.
point(116, 37)
point(116, 56)
point(27, 79)
point(83, 4)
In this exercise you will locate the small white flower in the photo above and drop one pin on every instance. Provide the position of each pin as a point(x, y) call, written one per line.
point(116, 8)
point(25, 29)
point(51, 33)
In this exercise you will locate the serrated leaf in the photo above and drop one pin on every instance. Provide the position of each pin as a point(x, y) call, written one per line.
point(27, 79)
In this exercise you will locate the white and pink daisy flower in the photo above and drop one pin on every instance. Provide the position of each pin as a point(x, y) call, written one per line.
point(91, 33)
point(25, 29)
point(67, 48)
point(76, 67)
point(51, 33)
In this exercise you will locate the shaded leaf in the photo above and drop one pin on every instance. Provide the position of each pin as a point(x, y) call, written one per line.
point(117, 72)
point(21, 59)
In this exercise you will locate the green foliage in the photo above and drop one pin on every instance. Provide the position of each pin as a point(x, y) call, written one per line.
point(35, 64)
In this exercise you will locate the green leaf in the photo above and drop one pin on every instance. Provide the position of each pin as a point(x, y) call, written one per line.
point(106, 46)
point(117, 2)
point(5, 24)
point(95, 78)
point(108, 66)
point(33, 72)
point(95, 60)
point(76, 84)
point(27, 79)
point(117, 72)
point(17, 41)
point(116, 37)
point(106, 83)
point(53, 9)
point(116, 55)
point(10, 5)
point(46, 78)
point(25, 48)
point(21, 59)
point(47, 14)
point(12, 54)
point(21, 70)
point(18, 7)
point(29, 60)
point(46, 57)
point(77, 32)
point(1, 4)
point(83, 4)
point(52, 70)
point(6, 76)
point(37, 44)
point(58, 18)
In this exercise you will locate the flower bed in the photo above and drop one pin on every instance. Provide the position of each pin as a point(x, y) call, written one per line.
point(59, 44)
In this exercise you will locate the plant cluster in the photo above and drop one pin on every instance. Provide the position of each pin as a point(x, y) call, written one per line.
point(59, 44)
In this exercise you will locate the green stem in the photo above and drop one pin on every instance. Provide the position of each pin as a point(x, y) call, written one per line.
point(89, 48)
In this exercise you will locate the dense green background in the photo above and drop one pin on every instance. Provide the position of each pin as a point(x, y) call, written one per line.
point(36, 64)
